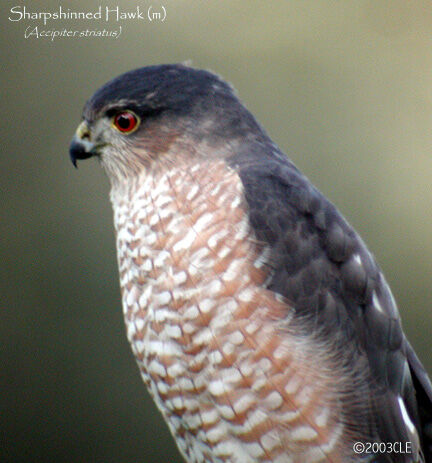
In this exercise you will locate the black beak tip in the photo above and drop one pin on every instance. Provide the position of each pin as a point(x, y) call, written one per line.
point(77, 150)
point(74, 161)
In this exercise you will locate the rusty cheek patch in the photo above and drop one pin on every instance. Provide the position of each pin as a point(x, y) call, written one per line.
point(155, 139)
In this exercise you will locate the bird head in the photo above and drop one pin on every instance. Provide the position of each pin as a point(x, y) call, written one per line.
point(159, 114)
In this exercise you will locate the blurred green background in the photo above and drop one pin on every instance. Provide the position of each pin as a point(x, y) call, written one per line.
point(345, 88)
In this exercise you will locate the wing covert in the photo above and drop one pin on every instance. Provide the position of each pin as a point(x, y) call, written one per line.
point(323, 268)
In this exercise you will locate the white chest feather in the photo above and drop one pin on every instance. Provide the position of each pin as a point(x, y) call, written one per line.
point(169, 241)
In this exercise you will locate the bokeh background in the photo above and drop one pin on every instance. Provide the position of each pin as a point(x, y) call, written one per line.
point(345, 88)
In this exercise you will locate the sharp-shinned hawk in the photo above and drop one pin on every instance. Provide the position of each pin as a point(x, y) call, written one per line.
point(261, 324)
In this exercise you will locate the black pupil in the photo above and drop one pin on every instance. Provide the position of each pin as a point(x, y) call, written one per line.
point(124, 121)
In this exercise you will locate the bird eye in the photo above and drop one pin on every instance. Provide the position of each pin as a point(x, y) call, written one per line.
point(125, 122)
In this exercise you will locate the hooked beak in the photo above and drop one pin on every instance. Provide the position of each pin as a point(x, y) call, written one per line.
point(81, 147)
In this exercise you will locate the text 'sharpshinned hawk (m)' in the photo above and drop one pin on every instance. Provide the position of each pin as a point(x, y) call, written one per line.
point(261, 324)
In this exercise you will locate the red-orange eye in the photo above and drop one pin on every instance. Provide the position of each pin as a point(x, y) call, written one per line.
point(125, 122)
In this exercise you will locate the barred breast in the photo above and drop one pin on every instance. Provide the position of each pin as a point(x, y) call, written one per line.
point(220, 354)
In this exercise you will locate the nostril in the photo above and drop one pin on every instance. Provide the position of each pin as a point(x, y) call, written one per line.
point(83, 131)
